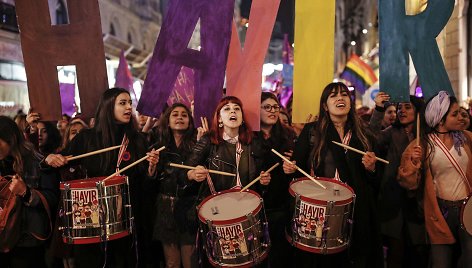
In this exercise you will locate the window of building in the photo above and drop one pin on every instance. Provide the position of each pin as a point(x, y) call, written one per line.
point(130, 38)
point(8, 18)
point(61, 13)
point(112, 29)
point(12, 71)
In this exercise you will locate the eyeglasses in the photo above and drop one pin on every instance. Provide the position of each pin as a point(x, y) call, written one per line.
point(268, 108)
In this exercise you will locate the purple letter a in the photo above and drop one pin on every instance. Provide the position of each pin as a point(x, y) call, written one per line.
point(171, 53)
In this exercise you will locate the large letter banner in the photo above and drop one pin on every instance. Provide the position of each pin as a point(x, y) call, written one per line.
point(244, 71)
point(314, 55)
point(171, 53)
point(47, 46)
point(400, 34)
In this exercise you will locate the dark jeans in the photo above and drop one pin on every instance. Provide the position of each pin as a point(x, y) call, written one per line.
point(442, 255)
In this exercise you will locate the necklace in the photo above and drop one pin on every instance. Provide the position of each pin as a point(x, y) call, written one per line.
point(440, 132)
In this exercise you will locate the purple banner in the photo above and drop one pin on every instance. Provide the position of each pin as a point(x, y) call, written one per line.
point(67, 98)
point(124, 79)
point(183, 88)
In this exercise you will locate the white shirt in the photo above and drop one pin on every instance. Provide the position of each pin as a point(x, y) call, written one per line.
point(448, 183)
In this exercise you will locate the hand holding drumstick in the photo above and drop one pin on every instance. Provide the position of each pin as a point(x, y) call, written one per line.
point(198, 174)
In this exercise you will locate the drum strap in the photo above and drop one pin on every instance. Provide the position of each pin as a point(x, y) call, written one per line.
point(124, 146)
point(438, 142)
point(346, 140)
point(239, 151)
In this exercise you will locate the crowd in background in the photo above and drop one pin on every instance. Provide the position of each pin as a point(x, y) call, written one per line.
point(393, 201)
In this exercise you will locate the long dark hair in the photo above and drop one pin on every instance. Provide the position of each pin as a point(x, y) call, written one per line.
point(53, 141)
point(165, 132)
point(20, 149)
point(106, 126)
point(418, 104)
point(216, 133)
point(353, 122)
point(278, 133)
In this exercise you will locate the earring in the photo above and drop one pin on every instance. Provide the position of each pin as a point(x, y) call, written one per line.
point(220, 125)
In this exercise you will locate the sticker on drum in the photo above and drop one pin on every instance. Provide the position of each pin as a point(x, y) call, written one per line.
point(95, 210)
point(322, 218)
point(232, 221)
point(466, 215)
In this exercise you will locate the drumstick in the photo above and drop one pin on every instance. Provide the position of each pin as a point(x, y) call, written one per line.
point(258, 178)
point(418, 129)
point(132, 164)
point(359, 151)
point(209, 171)
point(92, 153)
point(299, 169)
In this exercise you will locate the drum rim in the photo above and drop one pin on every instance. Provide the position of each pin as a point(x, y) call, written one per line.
point(94, 239)
point(321, 202)
point(261, 258)
point(304, 247)
point(91, 182)
point(229, 221)
point(467, 200)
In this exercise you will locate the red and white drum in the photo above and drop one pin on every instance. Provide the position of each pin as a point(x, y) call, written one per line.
point(466, 215)
point(95, 210)
point(234, 228)
point(322, 218)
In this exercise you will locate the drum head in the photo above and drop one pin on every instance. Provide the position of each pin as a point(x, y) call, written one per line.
point(91, 182)
point(335, 191)
point(466, 215)
point(229, 205)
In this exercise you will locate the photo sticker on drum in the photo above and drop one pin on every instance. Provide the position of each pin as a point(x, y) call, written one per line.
point(85, 208)
point(310, 221)
point(232, 241)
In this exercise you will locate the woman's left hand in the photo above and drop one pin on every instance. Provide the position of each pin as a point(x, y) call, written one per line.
point(265, 178)
point(153, 159)
point(368, 160)
point(17, 186)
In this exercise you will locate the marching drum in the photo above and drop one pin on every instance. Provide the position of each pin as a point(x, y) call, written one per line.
point(322, 218)
point(95, 210)
point(234, 228)
point(466, 215)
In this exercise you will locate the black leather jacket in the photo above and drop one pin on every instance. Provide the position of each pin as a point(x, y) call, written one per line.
point(215, 157)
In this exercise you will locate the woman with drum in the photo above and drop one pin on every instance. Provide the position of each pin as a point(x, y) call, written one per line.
point(402, 223)
point(37, 193)
point(228, 148)
point(440, 165)
point(314, 149)
point(218, 149)
point(172, 226)
point(274, 135)
point(114, 125)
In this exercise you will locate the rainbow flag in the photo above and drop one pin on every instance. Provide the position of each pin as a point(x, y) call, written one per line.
point(359, 74)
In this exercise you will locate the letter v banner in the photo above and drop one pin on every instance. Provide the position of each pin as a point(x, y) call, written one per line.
point(244, 70)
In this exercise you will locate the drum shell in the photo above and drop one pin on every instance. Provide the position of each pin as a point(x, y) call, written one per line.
point(253, 226)
point(466, 215)
point(111, 217)
point(334, 233)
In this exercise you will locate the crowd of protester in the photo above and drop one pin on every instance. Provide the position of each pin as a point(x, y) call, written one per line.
point(406, 213)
